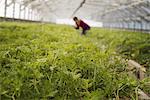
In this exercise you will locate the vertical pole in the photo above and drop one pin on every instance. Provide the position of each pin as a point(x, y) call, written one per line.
point(110, 24)
point(24, 12)
point(5, 10)
point(148, 28)
point(144, 25)
point(34, 15)
point(128, 23)
point(131, 24)
point(119, 25)
point(38, 17)
point(122, 25)
point(28, 14)
point(31, 14)
point(14, 9)
point(113, 25)
point(20, 11)
point(141, 25)
point(134, 26)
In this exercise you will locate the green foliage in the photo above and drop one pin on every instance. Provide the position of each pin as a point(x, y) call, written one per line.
point(47, 61)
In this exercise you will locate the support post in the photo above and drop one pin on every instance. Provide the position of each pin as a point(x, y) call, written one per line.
point(141, 23)
point(122, 23)
point(14, 4)
point(20, 11)
point(24, 12)
point(5, 10)
point(29, 14)
point(134, 26)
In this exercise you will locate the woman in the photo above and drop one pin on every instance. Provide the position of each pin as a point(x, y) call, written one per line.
point(81, 24)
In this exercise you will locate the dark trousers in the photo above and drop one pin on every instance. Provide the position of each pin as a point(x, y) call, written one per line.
point(84, 31)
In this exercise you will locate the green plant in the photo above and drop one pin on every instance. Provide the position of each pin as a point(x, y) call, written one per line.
point(54, 62)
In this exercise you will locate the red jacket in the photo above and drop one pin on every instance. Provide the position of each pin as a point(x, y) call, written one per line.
point(83, 25)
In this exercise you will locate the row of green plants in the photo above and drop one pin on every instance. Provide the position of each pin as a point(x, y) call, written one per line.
point(48, 61)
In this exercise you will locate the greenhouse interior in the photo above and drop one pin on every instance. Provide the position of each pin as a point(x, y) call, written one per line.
point(74, 49)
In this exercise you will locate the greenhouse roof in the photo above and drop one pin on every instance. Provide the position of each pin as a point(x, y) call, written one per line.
point(98, 10)
point(91, 9)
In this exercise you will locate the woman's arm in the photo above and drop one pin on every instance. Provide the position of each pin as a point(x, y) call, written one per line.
point(77, 26)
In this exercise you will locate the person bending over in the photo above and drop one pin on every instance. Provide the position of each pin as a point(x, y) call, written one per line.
point(82, 24)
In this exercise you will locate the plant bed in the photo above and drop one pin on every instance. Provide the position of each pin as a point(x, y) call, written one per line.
point(55, 62)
